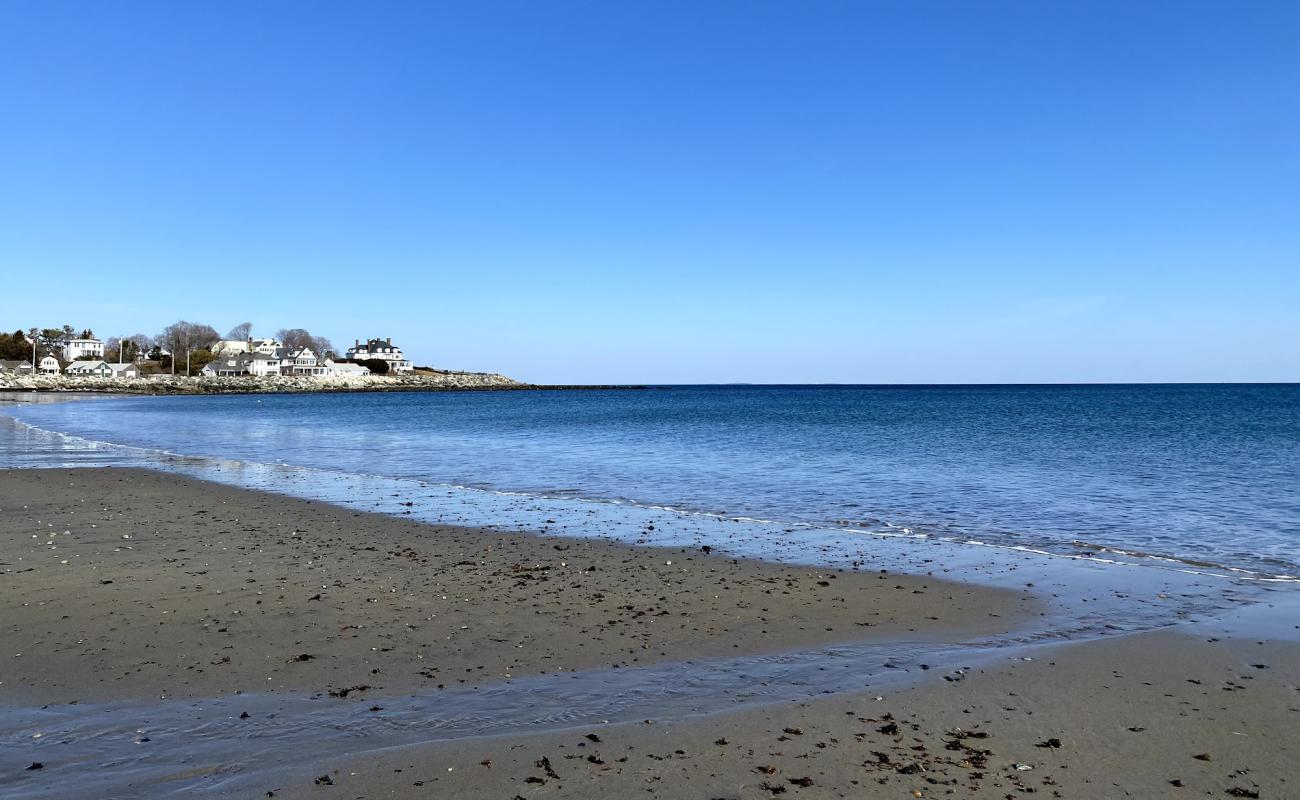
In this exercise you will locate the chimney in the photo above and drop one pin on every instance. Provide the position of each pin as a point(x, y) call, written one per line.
point(390, 341)
point(356, 343)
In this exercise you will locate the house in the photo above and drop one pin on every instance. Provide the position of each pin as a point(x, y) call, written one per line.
point(267, 347)
point(226, 366)
point(124, 370)
point(383, 349)
point(49, 366)
point(89, 369)
point(74, 349)
point(343, 369)
point(261, 364)
point(254, 364)
point(16, 368)
point(230, 347)
point(304, 362)
point(158, 350)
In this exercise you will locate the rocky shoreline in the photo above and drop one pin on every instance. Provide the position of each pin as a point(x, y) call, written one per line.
point(178, 384)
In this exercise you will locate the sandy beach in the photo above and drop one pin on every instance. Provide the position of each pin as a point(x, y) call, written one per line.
point(122, 583)
point(125, 584)
point(1157, 715)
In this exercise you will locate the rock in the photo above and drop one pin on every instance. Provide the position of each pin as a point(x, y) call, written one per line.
point(179, 384)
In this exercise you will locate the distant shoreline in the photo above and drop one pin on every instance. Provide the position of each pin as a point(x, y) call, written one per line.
point(181, 385)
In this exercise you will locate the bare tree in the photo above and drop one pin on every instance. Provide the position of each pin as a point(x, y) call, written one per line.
point(241, 332)
point(128, 347)
point(294, 338)
point(323, 347)
point(187, 337)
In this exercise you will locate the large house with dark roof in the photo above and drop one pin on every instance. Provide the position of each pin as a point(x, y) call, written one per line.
point(382, 349)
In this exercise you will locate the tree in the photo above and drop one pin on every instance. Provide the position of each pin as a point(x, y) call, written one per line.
point(295, 338)
point(199, 359)
point(47, 342)
point(87, 334)
point(323, 347)
point(377, 366)
point(136, 344)
point(15, 346)
point(50, 337)
point(241, 332)
point(127, 348)
point(186, 337)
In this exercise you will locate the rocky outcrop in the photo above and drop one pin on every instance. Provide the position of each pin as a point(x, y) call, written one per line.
point(176, 384)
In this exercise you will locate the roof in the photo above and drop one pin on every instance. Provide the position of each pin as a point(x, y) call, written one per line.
point(85, 366)
point(228, 344)
point(372, 345)
point(12, 364)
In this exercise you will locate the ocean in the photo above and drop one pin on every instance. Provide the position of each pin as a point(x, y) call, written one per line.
point(1202, 475)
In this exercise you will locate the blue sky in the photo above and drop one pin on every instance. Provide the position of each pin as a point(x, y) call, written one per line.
point(670, 191)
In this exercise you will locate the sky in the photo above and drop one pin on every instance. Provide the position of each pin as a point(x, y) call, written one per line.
point(670, 192)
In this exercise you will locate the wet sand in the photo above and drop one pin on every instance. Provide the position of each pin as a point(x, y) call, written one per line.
point(1159, 715)
point(130, 584)
point(125, 583)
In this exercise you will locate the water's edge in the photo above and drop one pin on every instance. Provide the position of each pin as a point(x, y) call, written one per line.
point(201, 746)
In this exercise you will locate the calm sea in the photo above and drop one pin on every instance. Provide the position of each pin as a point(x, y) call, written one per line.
point(1205, 473)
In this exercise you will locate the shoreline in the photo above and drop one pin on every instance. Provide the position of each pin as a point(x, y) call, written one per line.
point(167, 385)
point(148, 597)
point(1160, 714)
point(251, 581)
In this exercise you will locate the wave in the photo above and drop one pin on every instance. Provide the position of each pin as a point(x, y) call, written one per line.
point(217, 469)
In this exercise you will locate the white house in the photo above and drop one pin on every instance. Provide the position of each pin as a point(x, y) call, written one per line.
point(124, 370)
point(383, 349)
point(91, 369)
point(74, 349)
point(304, 362)
point(261, 364)
point(343, 369)
point(49, 366)
point(16, 368)
point(230, 347)
point(267, 347)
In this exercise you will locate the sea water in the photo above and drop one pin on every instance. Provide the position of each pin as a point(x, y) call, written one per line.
point(1198, 474)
